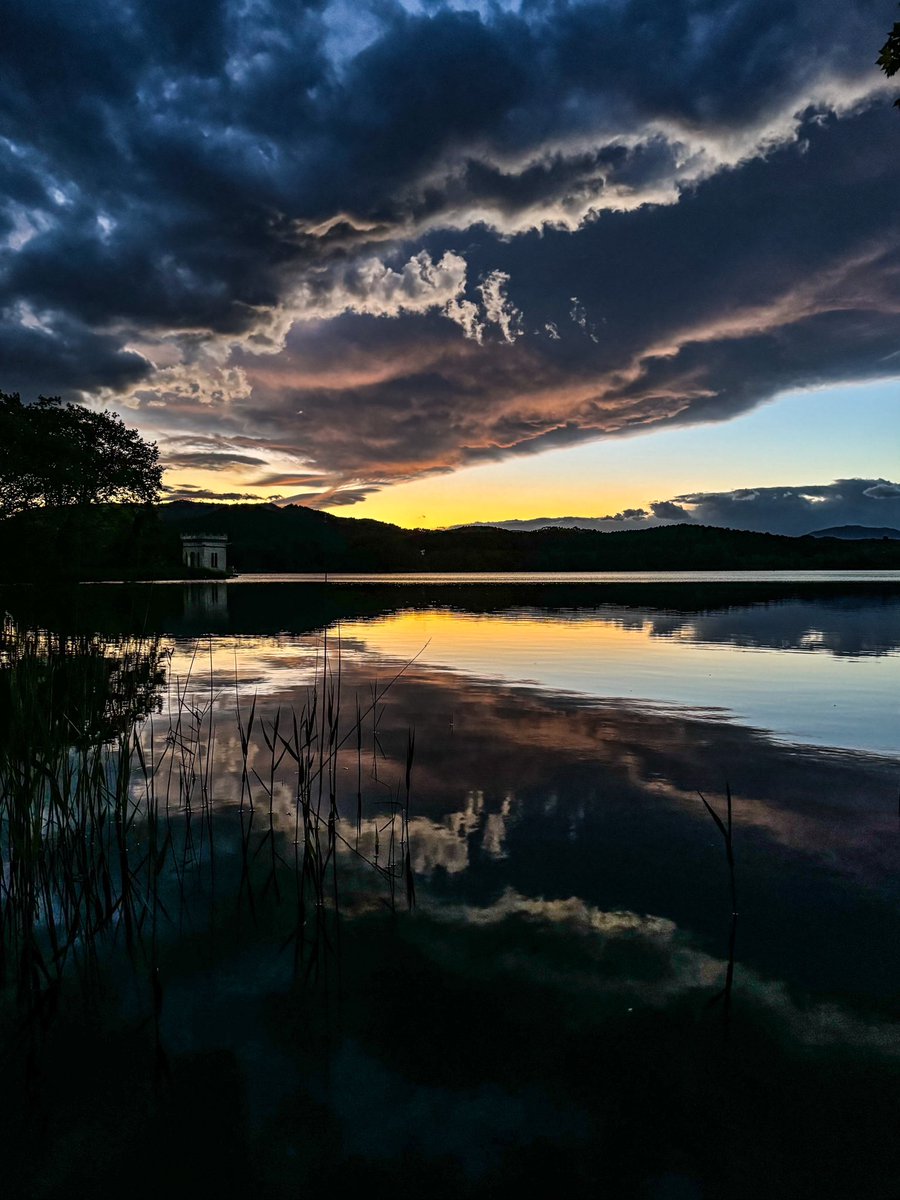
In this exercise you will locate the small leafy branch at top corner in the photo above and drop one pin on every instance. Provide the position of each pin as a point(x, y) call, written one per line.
point(889, 57)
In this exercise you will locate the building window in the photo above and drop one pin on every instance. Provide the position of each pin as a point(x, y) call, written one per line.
point(214, 560)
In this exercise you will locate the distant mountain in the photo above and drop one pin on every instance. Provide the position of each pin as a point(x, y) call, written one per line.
point(857, 533)
point(532, 524)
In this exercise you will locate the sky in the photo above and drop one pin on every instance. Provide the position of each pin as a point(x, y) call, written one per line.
point(441, 261)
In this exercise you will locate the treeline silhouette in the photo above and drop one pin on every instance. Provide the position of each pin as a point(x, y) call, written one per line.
point(143, 542)
point(293, 538)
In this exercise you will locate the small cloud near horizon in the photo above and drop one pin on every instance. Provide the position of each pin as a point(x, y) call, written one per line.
point(792, 510)
point(189, 492)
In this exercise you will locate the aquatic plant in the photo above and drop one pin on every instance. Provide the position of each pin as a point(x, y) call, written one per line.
point(726, 828)
point(110, 804)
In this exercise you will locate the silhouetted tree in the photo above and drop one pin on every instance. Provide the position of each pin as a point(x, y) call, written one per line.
point(59, 454)
point(889, 58)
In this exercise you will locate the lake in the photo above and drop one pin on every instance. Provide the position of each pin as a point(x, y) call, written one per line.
point(429, 883)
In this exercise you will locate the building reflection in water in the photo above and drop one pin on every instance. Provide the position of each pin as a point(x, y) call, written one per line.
point(206, 605)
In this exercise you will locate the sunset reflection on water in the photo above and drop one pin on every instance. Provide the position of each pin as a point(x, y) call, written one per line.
point(559, 977)
point(824, 684)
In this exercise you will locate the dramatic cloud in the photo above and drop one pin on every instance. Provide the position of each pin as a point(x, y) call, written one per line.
point(198, 493)
point(211, 461)
point(371, 287)
point(331, 497)
point(798, 510)
point(874, 504)
point(883, 491)
point(383, 239)
point(666, 510)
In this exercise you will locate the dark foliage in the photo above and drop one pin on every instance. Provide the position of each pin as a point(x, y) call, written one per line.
point(88, 541)
point(293, 538)
point(55, 454)
point(889, 56)
point(120, 541)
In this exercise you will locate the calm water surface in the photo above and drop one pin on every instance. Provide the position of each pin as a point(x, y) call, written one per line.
point(522, 578)
point(553, 1011)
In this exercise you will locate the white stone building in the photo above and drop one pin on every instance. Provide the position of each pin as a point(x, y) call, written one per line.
point(206, 550)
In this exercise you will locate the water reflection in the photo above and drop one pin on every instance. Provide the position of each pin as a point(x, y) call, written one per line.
point(206, 605)
point(858, 615)
point(671, 644)
point(808, 698)
point(844, 626)
point(57, 688)
point(514, 785)
point(547, 1001)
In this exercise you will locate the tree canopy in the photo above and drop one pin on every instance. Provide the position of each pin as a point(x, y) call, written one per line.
point(889, 57)
point(55, 454)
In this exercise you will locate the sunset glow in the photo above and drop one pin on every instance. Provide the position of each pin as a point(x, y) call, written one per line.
point(536, 285)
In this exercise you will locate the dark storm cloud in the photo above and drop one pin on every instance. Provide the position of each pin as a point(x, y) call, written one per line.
point(793, 510)
point(665, 510)
point(335, 498)
point(215, 207)
point(798, 510)
point(198, 493)
point(779, 275)
point(209, 461)
point(883, 491)
point(61, 355)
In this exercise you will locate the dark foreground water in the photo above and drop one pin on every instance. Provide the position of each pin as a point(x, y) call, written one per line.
point(431, 900)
